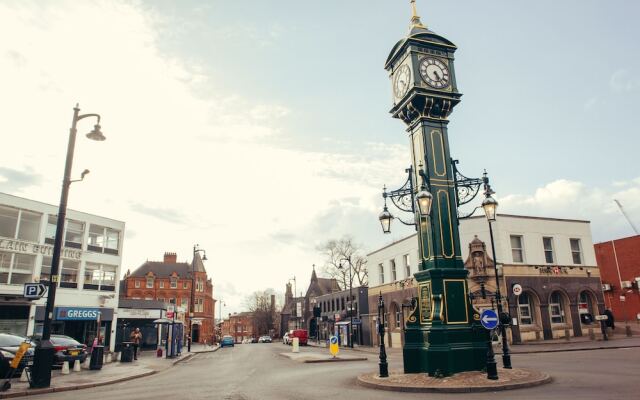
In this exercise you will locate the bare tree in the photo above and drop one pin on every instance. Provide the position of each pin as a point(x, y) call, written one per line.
point(343, 257)
point(263, 311)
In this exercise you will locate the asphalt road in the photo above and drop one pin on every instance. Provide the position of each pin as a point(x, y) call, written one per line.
point(258, 371)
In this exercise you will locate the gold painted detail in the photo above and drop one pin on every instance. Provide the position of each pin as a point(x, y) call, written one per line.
point(439, 166)
point(415, 18)
point(466, 305)
point(426, 308)
point(442, 199)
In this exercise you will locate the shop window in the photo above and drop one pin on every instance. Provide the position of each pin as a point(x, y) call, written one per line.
point(516, 249)
point(556, 308)
point(394, 274)
point(576, 251)
point(69, 273)
point(525, 309)
point(407, 266)
point(547, 244)
point(73, 234)
point(8, 221)
point(29, 226)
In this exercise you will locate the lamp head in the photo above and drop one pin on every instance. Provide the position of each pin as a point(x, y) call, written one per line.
point(96, 134)
point(424, 200)
point(84, 173)
point(204, 257)
point(385, 218)
point(490, 205)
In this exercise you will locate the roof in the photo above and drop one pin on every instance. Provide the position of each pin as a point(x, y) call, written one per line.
point(198, 264)
point(420, 34)
point(328, 285)
point(162, 269)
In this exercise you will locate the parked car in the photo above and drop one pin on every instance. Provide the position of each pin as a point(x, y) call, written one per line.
point(264, 339)
point(285, 338)
point(227, 340)
point(66, 349)
point(9, 345)
point(301, 334)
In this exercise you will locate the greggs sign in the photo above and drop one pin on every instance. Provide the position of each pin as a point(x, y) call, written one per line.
point(77, 314)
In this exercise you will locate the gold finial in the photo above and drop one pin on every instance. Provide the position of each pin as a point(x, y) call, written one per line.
point(415, 18)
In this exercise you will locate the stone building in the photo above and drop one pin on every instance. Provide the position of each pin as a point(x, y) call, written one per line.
point(178, 284)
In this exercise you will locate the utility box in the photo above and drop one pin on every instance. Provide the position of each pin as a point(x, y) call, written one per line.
point(97, 357)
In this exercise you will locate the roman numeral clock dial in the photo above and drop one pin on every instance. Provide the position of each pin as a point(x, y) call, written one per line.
point(434, 72)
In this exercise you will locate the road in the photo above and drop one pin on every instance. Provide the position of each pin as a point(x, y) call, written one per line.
point(258, 371)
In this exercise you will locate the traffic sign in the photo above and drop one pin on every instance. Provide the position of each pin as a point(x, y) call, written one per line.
point(517, 289)
point(34, 290)
point(601, 318)
point(333, 345)
point(489, 319)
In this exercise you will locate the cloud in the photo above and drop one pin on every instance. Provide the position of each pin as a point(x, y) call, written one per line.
point(622, 80)
point(15, 180)
point(165, 214)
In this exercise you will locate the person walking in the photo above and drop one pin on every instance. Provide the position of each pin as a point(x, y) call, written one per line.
point(136, 339)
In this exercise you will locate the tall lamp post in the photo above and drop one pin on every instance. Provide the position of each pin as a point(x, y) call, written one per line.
point(490, 205)
point(43, 357)
point(340, 266)
point(196, 250)
point(383, 366)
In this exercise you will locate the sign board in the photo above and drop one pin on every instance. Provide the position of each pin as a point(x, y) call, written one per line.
point(333, 346)
point(601, 318)
point(34, 290)
point(21, 350)
point(489, 319)
point(517, 289)
point(77, 314)
point(138, 313)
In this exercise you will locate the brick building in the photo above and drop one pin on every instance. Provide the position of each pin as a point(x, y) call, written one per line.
point(239, 325)
point(619, 262)
point(176, 283)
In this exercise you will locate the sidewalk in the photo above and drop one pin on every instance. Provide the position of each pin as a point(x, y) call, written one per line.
point(112, 372)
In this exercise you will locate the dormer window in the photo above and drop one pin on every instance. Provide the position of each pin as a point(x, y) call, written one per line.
point(149, 283)
point(174, 283)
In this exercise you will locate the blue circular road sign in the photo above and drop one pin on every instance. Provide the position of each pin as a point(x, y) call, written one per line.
point(489, 319)
point(333, 340)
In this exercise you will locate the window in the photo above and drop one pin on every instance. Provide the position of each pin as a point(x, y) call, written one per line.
point(516, 249)
point(394, 274)
point(342, 303)
point(149, 283)
point(184, 303)
point(161, 299)
point(185, 284)
point(172, 301)
point(407, 266)
point(381, 267)
point(161, 284)
point(69, 273)
point(585, 305)
point(398, 320)
point(92, 276)
point(556, 308)
point(174, 283)
point(113, 240)
point(8, 222)
point(137, 284)
point(547, 243)
point(103, 239)
point(29, 226)
point(45, 269)
point(73, 234)
point(16, 269)
point(525, 308)
point(576, 251)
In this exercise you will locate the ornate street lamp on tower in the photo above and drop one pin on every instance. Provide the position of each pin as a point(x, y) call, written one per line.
point(196, 250)
point(43, 357)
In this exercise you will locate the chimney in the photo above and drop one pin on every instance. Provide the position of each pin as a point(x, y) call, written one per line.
point(170, 258)
point(273, 302)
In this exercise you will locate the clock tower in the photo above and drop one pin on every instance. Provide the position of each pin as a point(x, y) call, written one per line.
point(443, 335)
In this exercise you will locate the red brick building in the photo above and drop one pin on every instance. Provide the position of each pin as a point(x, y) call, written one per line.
point(240, 326)
point(619, 262)
point(176, 283)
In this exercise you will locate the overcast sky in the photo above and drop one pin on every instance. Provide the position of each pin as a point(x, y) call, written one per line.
point(260, 129)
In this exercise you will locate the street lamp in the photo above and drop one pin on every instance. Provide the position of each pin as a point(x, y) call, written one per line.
point(340, 266)
point(196, 250)
point(43, 357)
point(489, 204)
point(383, 366)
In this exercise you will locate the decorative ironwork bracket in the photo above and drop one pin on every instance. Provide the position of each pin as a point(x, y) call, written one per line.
point(466, 188)
point(402, 197)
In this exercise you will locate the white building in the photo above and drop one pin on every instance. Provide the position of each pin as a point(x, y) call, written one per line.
point(87, 277)
point(552, 259)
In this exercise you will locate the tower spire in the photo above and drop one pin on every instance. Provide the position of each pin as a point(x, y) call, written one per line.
point(415, 18)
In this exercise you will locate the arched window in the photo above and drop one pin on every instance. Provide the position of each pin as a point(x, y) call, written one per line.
point(526, 309)
point(585, 303)
point(556, 308)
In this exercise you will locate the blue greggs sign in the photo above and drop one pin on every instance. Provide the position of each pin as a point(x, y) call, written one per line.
point(77, 314)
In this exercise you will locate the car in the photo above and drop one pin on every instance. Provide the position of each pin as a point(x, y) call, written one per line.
point(301, 334)
point(285, 338)
point(9, 345)
point(264, 339)
point(227, 340)
point(66, 349)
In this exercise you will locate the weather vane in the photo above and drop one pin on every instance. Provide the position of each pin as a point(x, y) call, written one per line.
point(415, 18)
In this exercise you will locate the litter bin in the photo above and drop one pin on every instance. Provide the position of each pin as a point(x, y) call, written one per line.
point(97, 357)
point(127, 352)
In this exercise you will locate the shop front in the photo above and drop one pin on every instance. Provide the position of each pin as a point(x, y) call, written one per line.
point(80, 323)
point(140, 314)
point(14, 318)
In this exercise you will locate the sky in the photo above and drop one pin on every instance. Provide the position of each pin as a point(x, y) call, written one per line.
point(260, 129)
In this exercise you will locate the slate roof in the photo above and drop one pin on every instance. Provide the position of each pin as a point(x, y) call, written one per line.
point(143, 304)
point(162, 269)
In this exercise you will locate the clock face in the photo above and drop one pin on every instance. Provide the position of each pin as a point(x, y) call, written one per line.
point(401, 81)
point(434, 72)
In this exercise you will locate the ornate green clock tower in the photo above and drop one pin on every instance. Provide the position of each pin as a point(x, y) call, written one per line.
point(443, 335)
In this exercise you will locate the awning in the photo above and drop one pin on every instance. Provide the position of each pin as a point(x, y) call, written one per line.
point(163, 321)
point(342, 323)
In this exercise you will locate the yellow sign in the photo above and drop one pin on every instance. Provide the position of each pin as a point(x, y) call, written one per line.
point(333, 346)
point(21, 350)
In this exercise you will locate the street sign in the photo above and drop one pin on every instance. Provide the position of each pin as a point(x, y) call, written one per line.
point(34, 290)
point(601, 318)
point(517, 289)
point(489, 319)
point(333, 346)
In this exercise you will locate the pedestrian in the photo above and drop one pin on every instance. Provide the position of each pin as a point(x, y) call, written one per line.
point(136, 339)
point(610, 321)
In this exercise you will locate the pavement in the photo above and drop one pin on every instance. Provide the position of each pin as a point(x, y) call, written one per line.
point(112, 372)
point(308, 355)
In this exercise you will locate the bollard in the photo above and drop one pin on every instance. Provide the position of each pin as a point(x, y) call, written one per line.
point(23, 376)
point(567, 335)
point(592, 334)
point(295, 346)
point(65, 368)
point(76, 366)
point(627, 330)
point(107, 358)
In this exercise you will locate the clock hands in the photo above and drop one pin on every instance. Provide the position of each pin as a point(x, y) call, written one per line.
point(437, 75)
